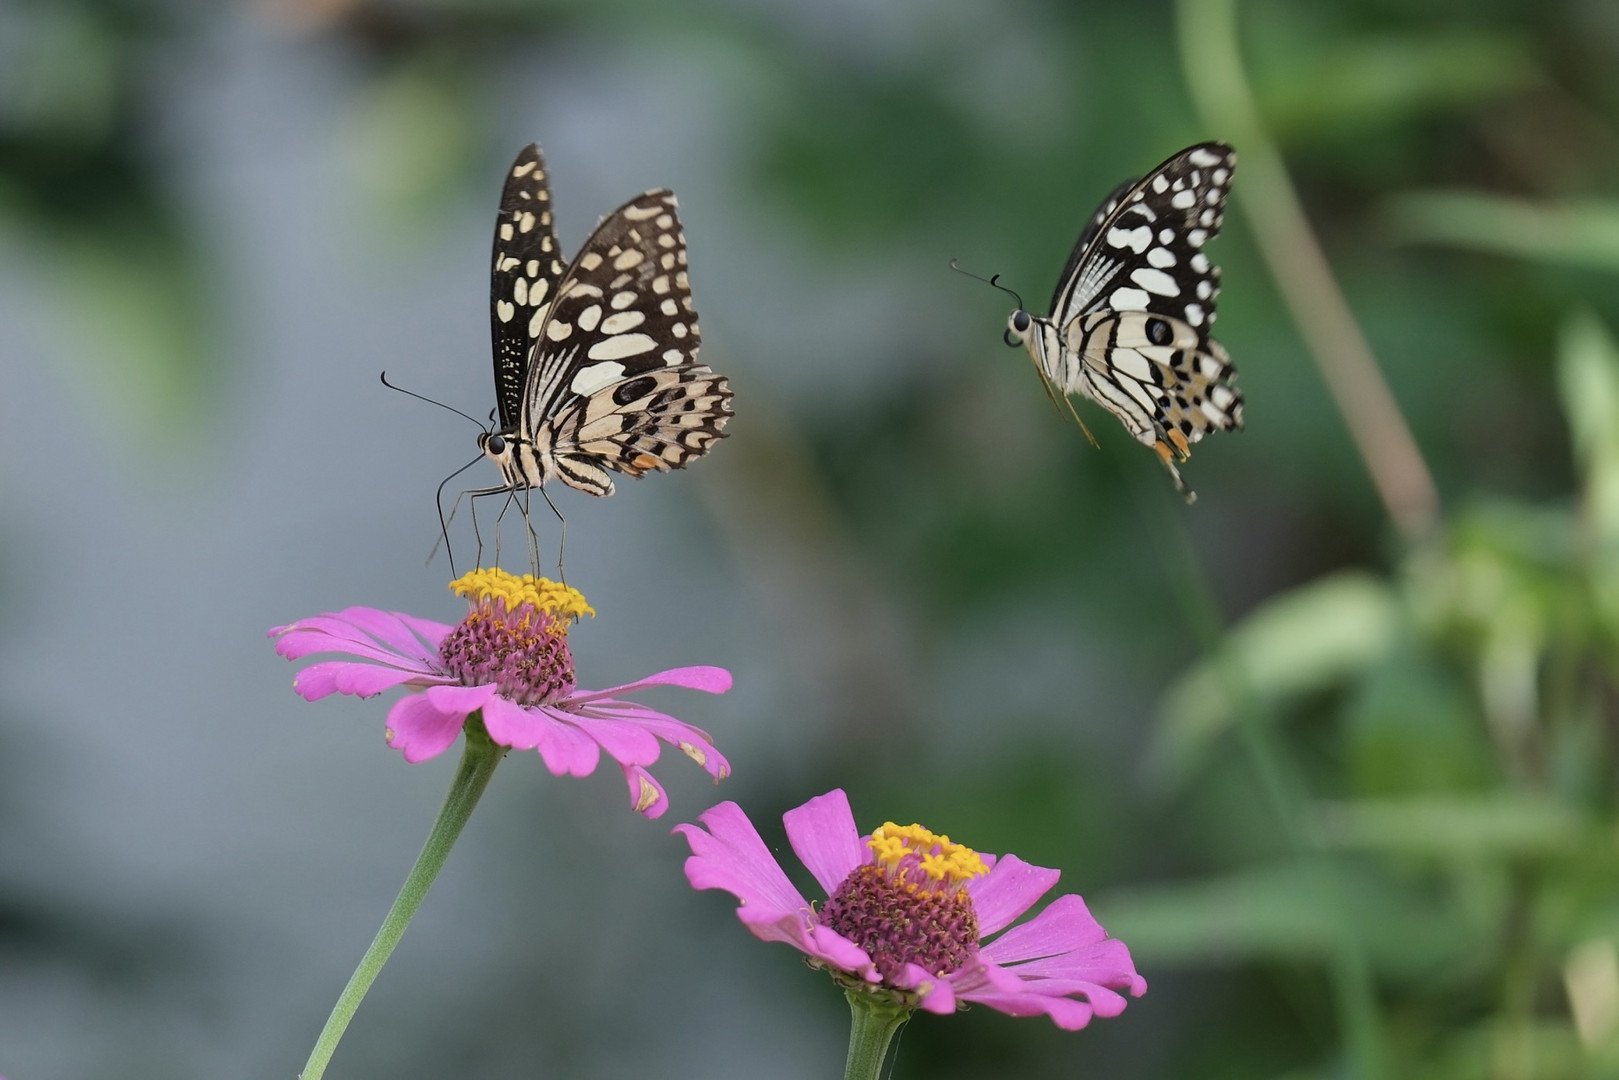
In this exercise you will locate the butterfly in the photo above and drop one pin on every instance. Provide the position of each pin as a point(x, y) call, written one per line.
point(1129, 323)
point(595, 360)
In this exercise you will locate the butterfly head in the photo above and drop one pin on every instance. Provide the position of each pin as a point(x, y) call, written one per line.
point(501, 448)
point(1019, 325)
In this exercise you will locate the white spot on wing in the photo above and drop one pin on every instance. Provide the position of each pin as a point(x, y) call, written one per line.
point(1125, 298)
point(1194, 314)
point(1161, 257)
point(641, 213)
point(1204, 157)
point(1135, 239)
point(1155, 281)
point(505, 310)
point(630, 258)
point(589, 317)
point(520, 291)
point(621, 321)
point(617, 348)
point(1183, 200)
point(593, 378)
point(1200, 263)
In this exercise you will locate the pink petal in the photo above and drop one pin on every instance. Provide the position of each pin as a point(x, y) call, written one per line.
point(1106, 963)
point(565, 749)
point(712, 680)
point(351, 677)
point(826, 839)
point(730, 855)
point(646, 794)
point(692, 741)
point(1064, 925)
point(1066, 1013)
point(937, 995)
point(349, 631)
point(420, 729)
point(1007, 891)
point(625, 742)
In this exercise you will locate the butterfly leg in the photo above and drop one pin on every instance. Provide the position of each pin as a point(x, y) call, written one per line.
point(562, 544)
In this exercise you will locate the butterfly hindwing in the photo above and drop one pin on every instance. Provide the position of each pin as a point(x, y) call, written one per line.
point(526, 267)
point(614, 383)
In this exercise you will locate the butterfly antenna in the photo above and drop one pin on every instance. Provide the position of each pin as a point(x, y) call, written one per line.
point(995, 280)
point(430, 401)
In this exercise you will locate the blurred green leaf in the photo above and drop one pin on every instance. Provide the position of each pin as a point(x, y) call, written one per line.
point(1545, 1050)
point(1584, 233)
point(1497, 827)
point(1349, 85)
point(1295, 912)
point(1305, 640)
point(1588, 379)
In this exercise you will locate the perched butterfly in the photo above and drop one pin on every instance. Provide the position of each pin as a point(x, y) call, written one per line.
point(596, 361)
point(1129, 323)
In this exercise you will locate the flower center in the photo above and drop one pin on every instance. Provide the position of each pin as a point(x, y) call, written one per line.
point(910, 906)
point(515, 636)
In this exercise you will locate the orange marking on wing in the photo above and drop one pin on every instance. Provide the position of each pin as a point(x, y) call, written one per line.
point(644, 461)
point(1180, 443)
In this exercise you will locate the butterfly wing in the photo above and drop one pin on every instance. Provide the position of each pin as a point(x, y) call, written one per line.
point(1092, 227)
point(614, 382)
point(526, 267)
point(1145, 254)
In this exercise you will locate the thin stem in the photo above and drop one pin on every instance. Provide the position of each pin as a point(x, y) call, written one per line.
point(873, 1023)
point(1214, 73)
point(479, 756)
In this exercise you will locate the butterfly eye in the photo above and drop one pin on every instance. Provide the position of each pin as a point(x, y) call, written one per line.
point(494, 445)
point(1020, 321)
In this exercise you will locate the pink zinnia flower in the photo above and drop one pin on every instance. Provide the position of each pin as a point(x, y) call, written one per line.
point(907, 912)
point(509, 661)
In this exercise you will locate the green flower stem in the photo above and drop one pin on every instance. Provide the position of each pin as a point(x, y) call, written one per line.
point(874, 1021)
point(478, 760)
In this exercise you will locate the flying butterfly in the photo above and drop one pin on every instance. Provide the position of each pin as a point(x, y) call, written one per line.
point(595, 361)
point(1129, 323)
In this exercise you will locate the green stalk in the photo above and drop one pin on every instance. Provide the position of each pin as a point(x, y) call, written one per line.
point(479, 756)
point(874, 1020)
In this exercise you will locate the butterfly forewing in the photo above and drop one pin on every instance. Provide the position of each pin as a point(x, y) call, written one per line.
point(523, 278)
point(614, 382)
point(1146, 253)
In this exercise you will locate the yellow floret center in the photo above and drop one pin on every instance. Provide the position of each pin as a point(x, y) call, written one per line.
point(942, 860)
point(562, 601)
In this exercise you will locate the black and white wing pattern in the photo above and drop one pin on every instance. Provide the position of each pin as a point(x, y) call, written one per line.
point(1130, 318)
point(526, 267)
point(612, 382)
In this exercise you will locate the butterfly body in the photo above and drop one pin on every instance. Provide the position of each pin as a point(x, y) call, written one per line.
point(595, 360)
point(1130, 318)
